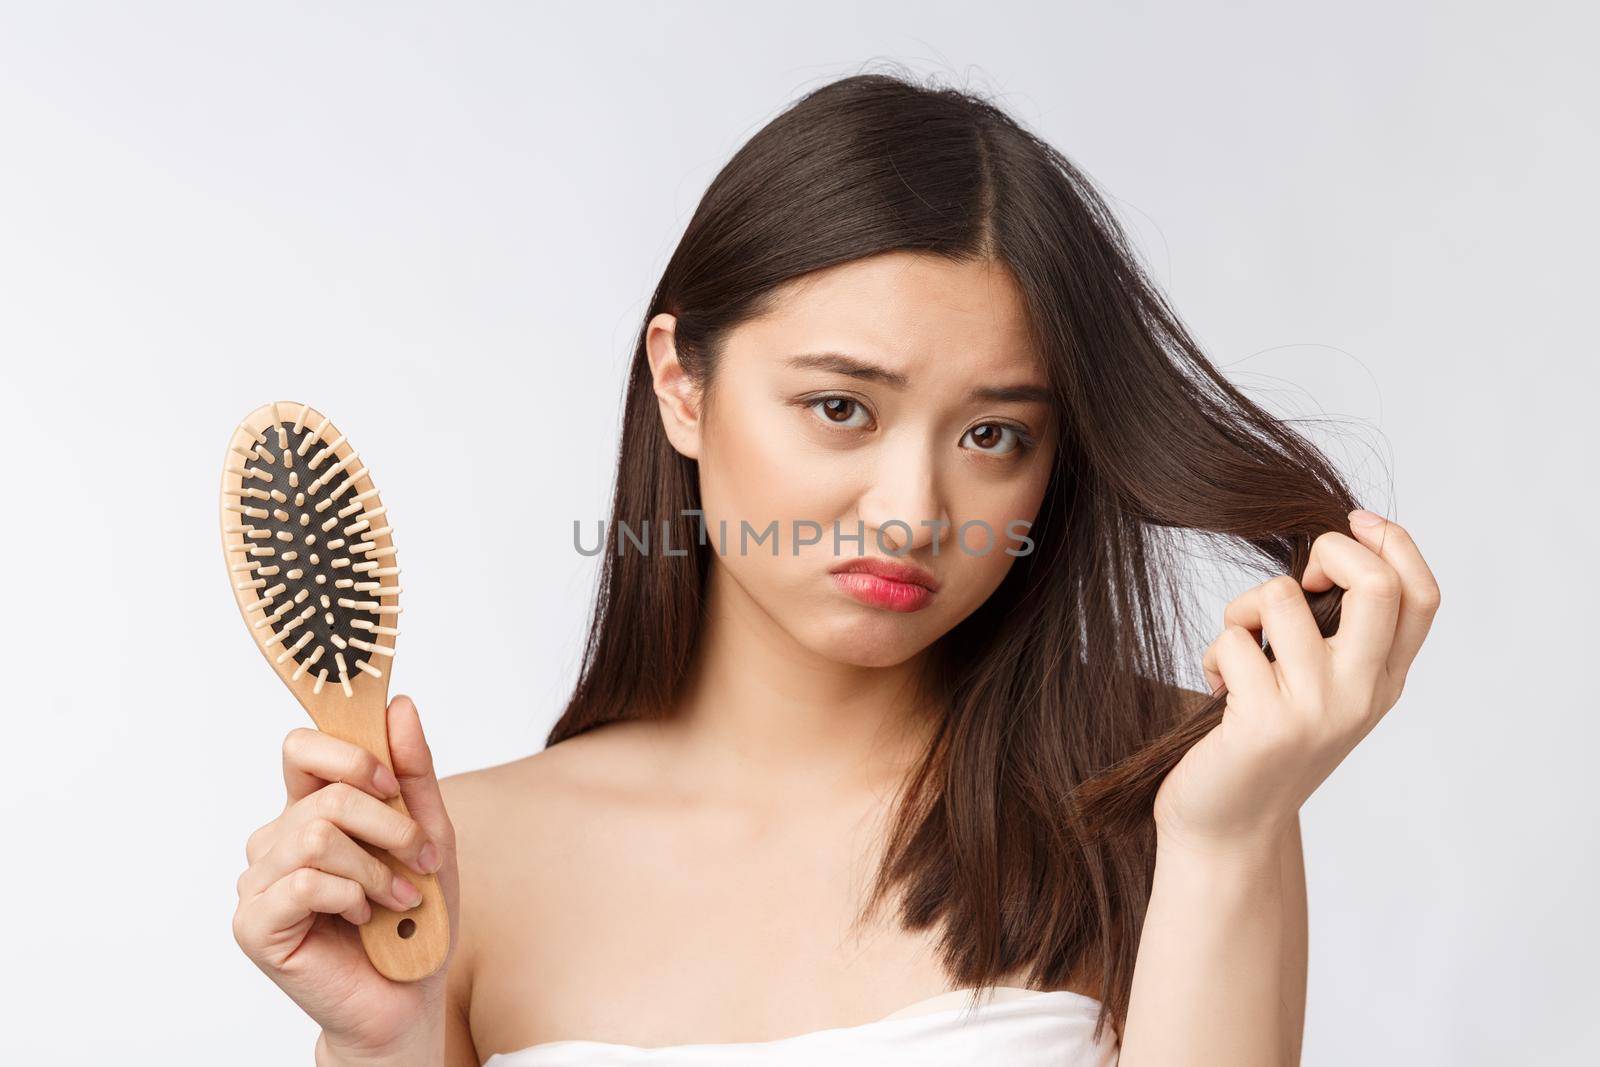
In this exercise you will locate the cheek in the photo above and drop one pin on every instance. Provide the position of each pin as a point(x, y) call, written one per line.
point(762, 472)
point(996, 517)
point(1006, 511)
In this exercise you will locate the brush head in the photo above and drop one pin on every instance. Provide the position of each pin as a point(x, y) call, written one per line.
point(310, 553)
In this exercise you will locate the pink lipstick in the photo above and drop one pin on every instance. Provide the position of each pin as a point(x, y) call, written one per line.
point(885, 584)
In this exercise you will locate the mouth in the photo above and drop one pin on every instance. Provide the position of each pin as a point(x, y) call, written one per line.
point(884, 584)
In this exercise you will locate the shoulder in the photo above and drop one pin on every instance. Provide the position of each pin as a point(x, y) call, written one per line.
point(514, 820)
point(1189, 700)
point(1169, 699)
point(523, 826)
point(550, 793)
point(613, 757)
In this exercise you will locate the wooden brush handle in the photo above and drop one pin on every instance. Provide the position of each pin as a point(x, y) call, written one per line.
point(404, 945)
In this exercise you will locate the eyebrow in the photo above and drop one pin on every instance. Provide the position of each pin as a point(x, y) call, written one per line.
point(861, 370)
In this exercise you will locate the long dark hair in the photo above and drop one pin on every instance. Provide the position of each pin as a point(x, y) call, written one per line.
point(1027, 826)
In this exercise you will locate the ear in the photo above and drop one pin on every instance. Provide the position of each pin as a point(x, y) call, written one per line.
point(678, 396)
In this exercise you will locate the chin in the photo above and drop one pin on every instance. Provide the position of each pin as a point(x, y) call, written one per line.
point(876, 639)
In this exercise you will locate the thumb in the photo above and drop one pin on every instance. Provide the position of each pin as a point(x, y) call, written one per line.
point(413, 766)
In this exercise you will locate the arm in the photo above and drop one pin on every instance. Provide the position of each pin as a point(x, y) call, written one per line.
point(1179, 884)
point(1219, 976)
point(1220, 973)
point(1292, 867)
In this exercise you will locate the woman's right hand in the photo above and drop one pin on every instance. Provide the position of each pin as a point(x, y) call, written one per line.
point(309, 884)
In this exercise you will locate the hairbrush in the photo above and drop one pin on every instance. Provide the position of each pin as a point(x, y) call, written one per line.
point(312, 562)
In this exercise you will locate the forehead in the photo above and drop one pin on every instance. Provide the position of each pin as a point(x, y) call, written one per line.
point(932, 318)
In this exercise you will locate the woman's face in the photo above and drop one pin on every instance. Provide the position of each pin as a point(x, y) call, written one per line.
point(896, 395)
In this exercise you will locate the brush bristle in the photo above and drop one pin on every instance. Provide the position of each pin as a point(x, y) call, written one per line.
point(317, 581)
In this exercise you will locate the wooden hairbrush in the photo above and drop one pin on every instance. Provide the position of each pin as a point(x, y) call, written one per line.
point(311, 560)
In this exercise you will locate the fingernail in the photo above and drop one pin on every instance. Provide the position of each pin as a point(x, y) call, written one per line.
point(1363, 517)
point(406, 893)
point(429, 857)
point(383, 778)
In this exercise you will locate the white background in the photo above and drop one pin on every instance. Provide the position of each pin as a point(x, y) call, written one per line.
point(440, 223)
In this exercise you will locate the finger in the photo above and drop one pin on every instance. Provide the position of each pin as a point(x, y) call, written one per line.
point(302, 892)
point(261, 839)
point(1213, 676)
point(1419, 596)
point(312, 759)
point(1370, 606)
point(321, 844)
point(1236, 659)
point(1278, 609)
point(413, 764)
point(364, 817)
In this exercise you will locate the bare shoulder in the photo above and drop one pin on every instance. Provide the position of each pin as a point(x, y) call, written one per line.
point(1190, 699)
point(512, 815)
point(610, 758)
point(527, 833)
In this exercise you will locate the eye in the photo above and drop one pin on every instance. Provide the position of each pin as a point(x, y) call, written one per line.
point(999, 439)
point(840, 411)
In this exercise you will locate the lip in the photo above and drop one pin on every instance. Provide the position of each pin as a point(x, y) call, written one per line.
point(885, 584)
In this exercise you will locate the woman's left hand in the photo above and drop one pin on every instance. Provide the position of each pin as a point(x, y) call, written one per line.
point(1290, 721)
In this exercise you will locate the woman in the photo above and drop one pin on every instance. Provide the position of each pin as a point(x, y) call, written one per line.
point(877, 755)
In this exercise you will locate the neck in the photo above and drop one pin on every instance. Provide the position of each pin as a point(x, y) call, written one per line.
point(760, 713)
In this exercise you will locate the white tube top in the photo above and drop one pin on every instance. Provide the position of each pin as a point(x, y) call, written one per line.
point(1011, 1025)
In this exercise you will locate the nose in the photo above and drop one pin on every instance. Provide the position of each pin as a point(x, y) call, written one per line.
point(903, 507)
